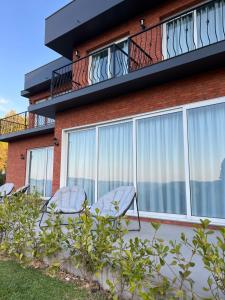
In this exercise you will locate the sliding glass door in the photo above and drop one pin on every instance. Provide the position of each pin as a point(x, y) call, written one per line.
point(81, 161)
point(115, 157)
point(206, 127)
point(175, 160)
point(160, 164)
point(41, 171)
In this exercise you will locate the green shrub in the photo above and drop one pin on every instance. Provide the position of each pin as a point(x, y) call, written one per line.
point(94, 243)
point(18, 220)
point(2, 178)
point(90, 241)
point(213, 258)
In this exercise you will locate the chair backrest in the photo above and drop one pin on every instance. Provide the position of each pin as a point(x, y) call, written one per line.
point(22, 189)
point(122, 196)
point(6, 189)
point(68, 200)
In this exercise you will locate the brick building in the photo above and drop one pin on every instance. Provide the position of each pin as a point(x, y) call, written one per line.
point(137, 98)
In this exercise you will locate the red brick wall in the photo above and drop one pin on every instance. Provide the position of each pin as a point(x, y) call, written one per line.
point(16, 169)
point(195, 88)
point(152, 17)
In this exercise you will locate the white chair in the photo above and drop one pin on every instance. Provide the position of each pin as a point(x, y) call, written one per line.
point(6, 189)
point(67, 201)
point(21, 190)
point(116, 203)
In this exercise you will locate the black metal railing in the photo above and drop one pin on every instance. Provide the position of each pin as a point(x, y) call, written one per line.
point(23, 121)
point(104, 64)
point(196, 28)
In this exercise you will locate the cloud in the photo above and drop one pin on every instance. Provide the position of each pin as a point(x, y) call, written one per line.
point(3, 104)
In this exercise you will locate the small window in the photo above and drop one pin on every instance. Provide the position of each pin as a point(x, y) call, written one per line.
point(109, 62)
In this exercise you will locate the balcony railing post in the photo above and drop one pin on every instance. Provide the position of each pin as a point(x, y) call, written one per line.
point(52, 80)
point(114, 60)
point(129, 54)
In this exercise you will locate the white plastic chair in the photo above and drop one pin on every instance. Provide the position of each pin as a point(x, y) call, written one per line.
point(122, 197)
point(6, 189)
point(67, 200)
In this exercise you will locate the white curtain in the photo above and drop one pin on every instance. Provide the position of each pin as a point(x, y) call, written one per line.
point(81, 161)
point(41, 171)
point(206, 127)
point(211, 23)
point(160, 164)
point(180, 35)
point(115, 160)
point(99, 69)
point(49, 172)
point(121, 59)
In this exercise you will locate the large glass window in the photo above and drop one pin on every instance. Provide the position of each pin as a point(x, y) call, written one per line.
point(81, 161)
point(115, 157)
point(41, 171)
point(206, 127)
point(160, 164)
point(176, 160)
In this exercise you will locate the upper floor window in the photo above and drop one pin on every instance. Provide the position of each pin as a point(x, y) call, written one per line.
point(198, 28)
point(109, 62)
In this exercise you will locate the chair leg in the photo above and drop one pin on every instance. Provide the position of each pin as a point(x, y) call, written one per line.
point(138, 215)
point(40, 221)
point(139, 221)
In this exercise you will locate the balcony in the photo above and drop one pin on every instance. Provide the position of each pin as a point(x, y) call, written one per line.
point(23, 125)
point(180, 46)
point(40, 79)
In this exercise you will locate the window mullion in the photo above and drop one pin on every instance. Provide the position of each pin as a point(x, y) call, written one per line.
point(45, 174)
point(186, 159)
point(135, 159)
point(96, 165)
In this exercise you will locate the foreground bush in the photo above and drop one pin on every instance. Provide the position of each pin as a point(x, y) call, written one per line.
point(18, 219)
point(93, 244)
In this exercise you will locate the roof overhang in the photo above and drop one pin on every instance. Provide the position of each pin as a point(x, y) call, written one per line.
point(81, 20)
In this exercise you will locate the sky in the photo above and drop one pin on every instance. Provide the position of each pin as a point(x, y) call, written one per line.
point(22, 49)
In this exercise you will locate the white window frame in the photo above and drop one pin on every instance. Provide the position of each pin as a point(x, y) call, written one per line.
point(28, 166)
point(108, 48)
point(153, 215)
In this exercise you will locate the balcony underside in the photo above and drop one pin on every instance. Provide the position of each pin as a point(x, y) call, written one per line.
point(187, 64)
point(30, 132)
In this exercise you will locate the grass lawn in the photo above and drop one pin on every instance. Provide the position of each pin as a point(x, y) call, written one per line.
point(18, 283)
